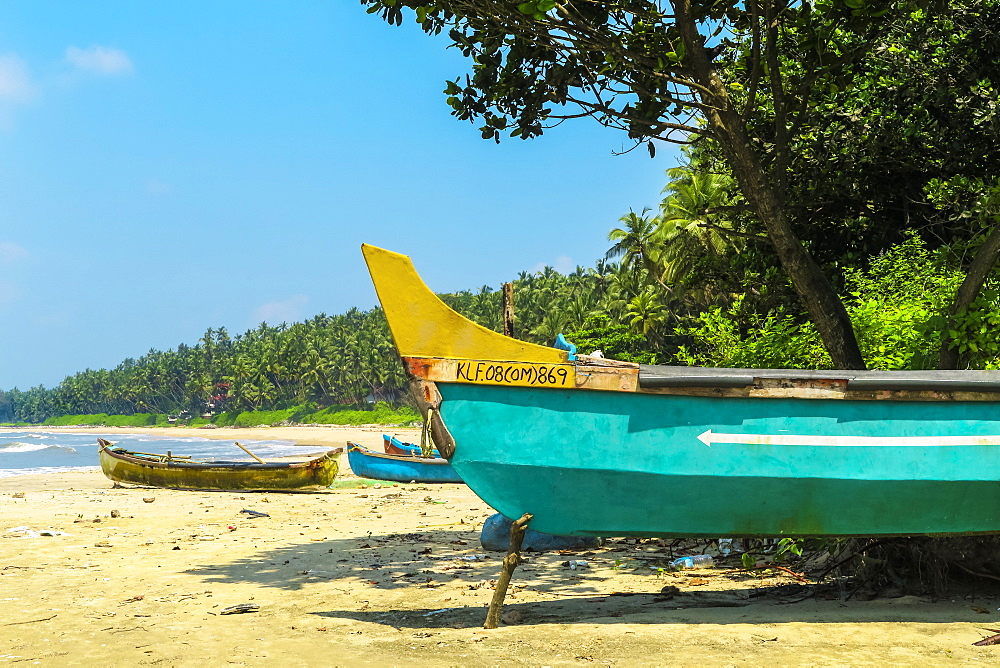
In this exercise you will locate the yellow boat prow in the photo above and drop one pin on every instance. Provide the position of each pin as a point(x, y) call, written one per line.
point(417, 319)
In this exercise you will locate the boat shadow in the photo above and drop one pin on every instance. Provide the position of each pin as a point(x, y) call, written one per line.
point(711, 608)
point(424, 565)
point(413, 560)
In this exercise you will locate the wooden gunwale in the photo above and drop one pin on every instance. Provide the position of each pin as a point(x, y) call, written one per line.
point(746, 383)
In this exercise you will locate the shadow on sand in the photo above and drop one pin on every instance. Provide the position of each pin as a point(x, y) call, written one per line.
point(414, 562)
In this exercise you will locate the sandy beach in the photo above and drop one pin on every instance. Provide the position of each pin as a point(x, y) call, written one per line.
point(395, 575)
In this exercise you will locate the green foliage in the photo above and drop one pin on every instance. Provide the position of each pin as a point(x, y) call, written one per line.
point(898, 306)
point(975, 333)
point(225, 419)
point(135, 420)
point(258, 418)
point(326, 360)
point(905, 133)
point(104, 420)
point(615, 340)
point(382, 413)
point(730, 337)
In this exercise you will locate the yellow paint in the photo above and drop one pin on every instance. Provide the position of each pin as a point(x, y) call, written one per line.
point(424, 326)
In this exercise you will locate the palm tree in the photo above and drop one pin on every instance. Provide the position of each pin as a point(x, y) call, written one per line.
point(689, 225)
point(636, 242)
point(645, 311)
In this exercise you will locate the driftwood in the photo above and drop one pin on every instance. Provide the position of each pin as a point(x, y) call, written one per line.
point(763, 567)
point(510, 562)
point(989, 640)
point(30, 621)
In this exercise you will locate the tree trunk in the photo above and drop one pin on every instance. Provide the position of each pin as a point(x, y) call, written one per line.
point(817, 294)
point(821, 301)
point(508, 309)
point(979, 270)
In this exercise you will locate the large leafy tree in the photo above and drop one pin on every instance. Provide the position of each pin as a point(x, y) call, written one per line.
point(908, 139)
point(648, 67)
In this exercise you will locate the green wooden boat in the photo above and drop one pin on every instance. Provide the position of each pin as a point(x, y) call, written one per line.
point(143, 468)
point(591, 446)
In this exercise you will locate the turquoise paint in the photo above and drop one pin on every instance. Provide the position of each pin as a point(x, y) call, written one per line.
point(614, 463)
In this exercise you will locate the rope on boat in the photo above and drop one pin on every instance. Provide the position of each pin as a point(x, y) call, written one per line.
point(426, 439)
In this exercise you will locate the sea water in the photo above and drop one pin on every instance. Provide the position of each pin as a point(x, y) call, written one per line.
point(23, 451)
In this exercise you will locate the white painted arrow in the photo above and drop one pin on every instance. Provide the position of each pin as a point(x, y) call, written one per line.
point(710, 437)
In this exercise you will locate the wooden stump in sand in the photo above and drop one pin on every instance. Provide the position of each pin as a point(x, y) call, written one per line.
point(510, 562)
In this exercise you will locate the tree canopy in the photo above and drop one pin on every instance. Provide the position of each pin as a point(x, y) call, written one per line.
point(814, 109)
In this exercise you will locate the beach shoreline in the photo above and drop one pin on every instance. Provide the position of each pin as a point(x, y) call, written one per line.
point(304, 435)
point(394, 575)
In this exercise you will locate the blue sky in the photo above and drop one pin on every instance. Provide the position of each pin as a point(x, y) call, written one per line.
point(166, 167)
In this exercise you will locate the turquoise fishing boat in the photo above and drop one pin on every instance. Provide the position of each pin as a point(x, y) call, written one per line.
point(591, 446)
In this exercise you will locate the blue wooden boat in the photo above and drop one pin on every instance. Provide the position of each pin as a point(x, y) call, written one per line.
point(591, 446)
point(394, 446)
point(399, 468)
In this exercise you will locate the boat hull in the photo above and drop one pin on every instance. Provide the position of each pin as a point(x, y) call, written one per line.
point(308, 476)
point(614, 463)
point(399, 468)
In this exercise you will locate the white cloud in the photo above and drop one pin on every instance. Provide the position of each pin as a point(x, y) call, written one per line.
point(15, 80)
point(10, 252)
point(290, 310)
point(563, 265)
point(99, 60)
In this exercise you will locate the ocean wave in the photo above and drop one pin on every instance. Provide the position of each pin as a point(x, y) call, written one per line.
point(19, 446)
point(9, 473)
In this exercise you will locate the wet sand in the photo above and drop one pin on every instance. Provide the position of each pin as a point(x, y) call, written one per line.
point(395, 575)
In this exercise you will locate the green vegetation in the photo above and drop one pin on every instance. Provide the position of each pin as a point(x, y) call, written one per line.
point(382, 414)
point(101, 419)
point(819, 132)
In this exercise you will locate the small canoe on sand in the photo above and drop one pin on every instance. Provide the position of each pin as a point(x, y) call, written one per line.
point(180, 472)
point(399, 468)
point(394, 446)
